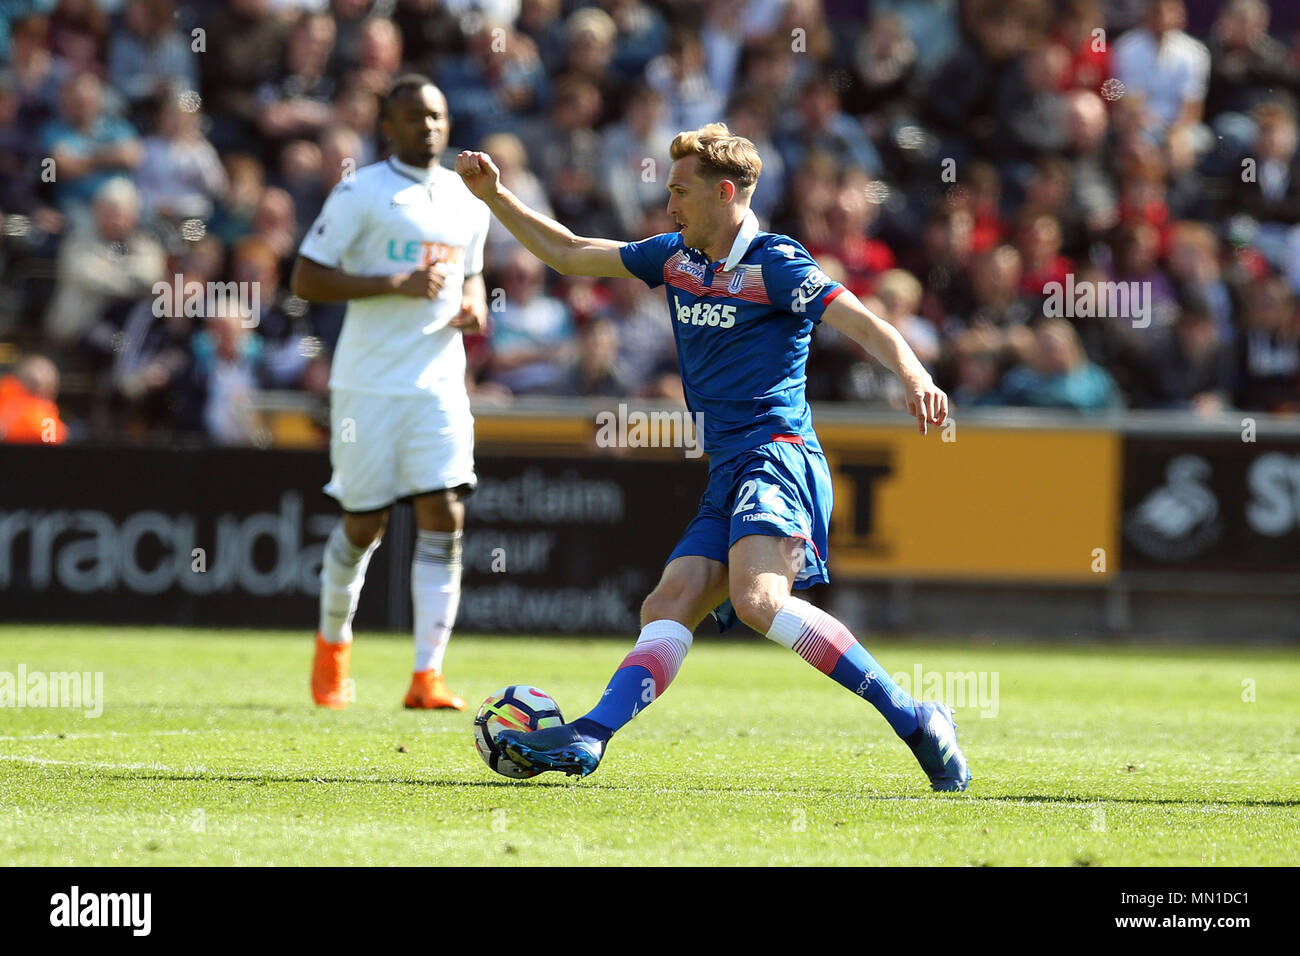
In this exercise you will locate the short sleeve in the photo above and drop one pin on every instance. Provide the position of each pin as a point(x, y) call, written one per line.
point(645, 258)
point(341, 220)
point(796, 283)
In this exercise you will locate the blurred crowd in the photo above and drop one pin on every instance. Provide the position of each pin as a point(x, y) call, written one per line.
point(949, 160)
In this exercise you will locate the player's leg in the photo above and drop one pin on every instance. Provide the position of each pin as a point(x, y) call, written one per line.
point(690, 587)
point(779, 529)
point(763, 571)
point(343, 573)
point(436, 468)
point(364, 482)
point(435, 594)
point(693, 582)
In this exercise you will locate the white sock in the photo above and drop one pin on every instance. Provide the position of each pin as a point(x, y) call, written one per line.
point(435, 593)
point(342, 573)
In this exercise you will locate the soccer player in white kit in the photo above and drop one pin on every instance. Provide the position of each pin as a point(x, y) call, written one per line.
point(401, 241)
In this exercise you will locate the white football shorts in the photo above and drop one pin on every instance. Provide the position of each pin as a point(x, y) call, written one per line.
point(387, 447)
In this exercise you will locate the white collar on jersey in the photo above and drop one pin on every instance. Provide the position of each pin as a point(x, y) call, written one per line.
point(748, 230)
point(418, 173)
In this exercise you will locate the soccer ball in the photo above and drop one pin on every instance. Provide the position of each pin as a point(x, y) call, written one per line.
point(517, 707)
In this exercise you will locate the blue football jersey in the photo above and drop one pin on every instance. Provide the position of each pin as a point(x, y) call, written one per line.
point(742, 333)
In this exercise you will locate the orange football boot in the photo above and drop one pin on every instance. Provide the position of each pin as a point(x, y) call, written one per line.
point(429, 692)
point(329, 673)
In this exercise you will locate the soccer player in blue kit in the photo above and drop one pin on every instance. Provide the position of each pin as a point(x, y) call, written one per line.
point(743, 304)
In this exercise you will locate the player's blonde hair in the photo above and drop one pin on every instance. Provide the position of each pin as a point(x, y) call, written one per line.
point(722, 154)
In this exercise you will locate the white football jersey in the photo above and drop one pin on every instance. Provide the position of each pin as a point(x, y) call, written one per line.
point(390, 218)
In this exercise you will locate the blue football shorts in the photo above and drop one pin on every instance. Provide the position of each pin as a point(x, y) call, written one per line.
point(782, 489)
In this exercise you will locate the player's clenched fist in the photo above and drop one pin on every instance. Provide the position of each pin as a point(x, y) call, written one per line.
point(423, 283)
point(479, 173)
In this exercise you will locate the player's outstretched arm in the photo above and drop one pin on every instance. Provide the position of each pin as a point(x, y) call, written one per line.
point(925, 401)
point(545, 238)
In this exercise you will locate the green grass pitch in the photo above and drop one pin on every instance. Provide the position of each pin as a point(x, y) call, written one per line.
point(209, 752)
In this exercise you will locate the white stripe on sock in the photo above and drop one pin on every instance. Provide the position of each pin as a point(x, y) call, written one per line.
point(789, 622)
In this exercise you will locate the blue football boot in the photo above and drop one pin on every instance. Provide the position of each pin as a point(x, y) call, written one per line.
point(555, 748)
point(935, 745)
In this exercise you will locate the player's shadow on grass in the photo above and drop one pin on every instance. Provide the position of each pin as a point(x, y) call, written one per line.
point(551, 783)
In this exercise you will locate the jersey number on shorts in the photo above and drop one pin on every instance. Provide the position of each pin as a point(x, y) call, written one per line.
point(770, 498)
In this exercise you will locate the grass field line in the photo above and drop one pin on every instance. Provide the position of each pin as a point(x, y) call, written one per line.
point(58, 735)
point(51, 761)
